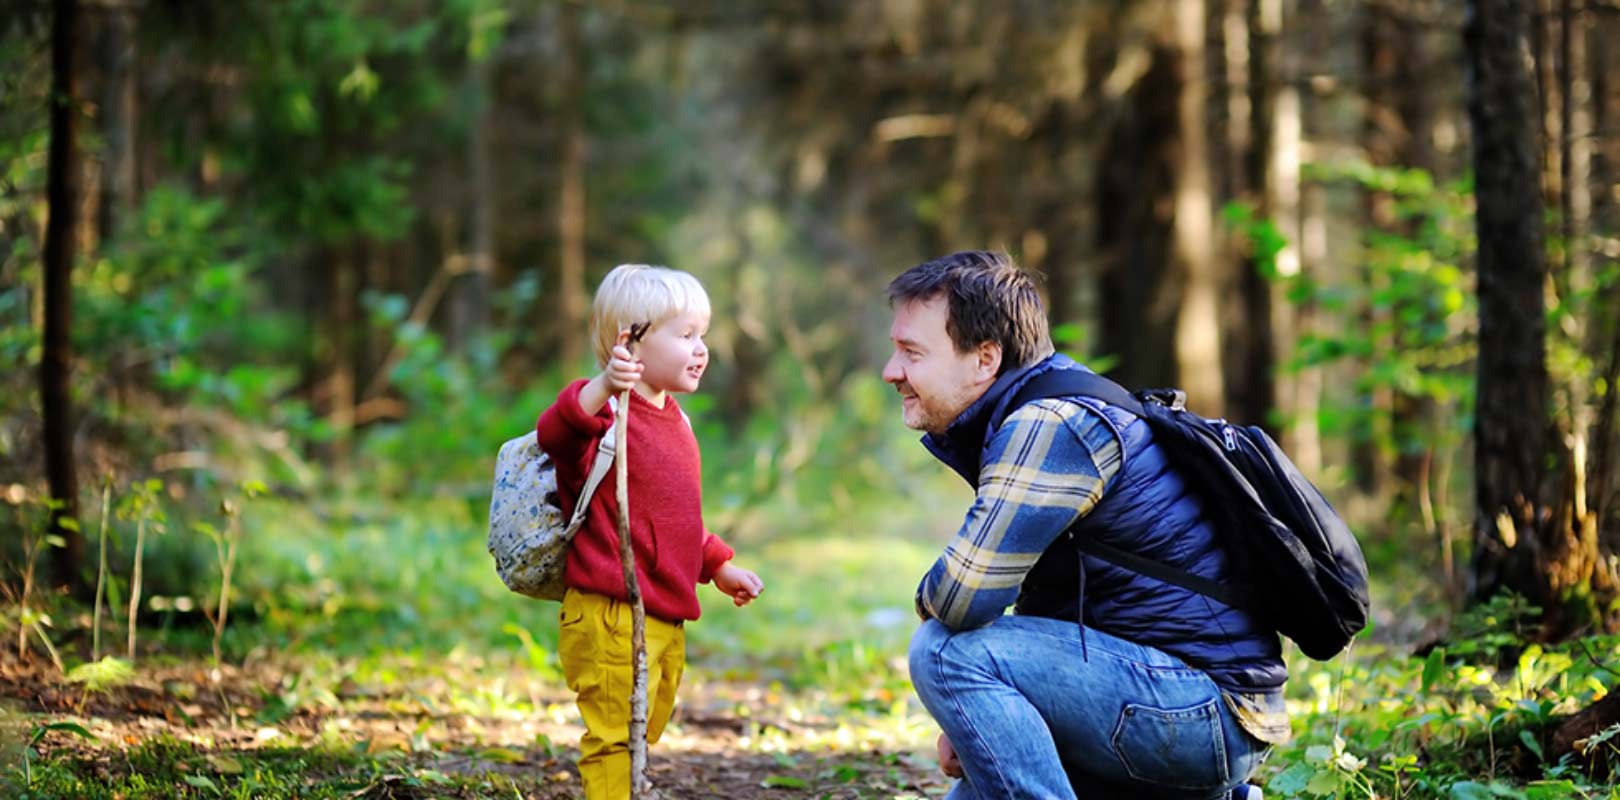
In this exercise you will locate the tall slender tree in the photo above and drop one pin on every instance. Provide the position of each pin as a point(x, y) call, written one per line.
point(1510, 425)
point(56, 367)
point(117, 116)
point(1198, 333)
point(1533, 534)
point(571, 296)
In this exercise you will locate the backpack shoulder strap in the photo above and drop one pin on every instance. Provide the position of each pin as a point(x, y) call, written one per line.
point(1080, 383)
point(599, 470)
point(600, 466)
point(1070, 383)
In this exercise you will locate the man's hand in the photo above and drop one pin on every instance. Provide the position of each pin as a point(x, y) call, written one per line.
point(948, 762)
point(741, 584)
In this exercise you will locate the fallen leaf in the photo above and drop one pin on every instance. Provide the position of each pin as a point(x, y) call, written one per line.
point(501, 755)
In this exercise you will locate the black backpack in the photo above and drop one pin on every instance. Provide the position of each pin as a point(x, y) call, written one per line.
point(1302, 568)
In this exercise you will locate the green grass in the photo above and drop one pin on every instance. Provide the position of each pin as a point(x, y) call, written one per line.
point(401, 595)
point(164, 767)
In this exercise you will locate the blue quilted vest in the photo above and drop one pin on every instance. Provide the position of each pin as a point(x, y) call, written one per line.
point(1146, 509)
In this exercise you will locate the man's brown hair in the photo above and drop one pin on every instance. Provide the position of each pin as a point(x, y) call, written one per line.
point(989, 299)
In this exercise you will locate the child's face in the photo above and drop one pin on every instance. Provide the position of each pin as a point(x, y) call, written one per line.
point(673, 355)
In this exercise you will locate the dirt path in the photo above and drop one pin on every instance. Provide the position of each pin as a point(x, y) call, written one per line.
point(454, 734)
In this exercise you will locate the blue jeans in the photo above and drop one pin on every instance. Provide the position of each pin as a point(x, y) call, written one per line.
point(1031, 718)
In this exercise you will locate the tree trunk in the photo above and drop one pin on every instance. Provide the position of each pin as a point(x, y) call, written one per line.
point(1545, 24)
point(342, 317)
point(1255, 394)
point(469, 306)
point(571, 206)
point(1396, 130)
point(1510, 424)
point(1582, 725)
point(1198, 332)
point(1576, 144)
point(63, 192)
point(1604, 481)
point(1135, 180)
point(118, 118)
point(1575, 204)
point(1274, 166)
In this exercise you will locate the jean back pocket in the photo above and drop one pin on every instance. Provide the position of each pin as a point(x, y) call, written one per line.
point(1179, 748)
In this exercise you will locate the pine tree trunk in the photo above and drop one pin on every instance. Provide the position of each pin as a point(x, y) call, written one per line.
point(1135, 180)
point(1278, 125)
point(469, 306)
point(1604, 483)
point(1256, 394)
point(1575, 204)
point(118, 116)
point(340, 368)
point(1396, 132)
point(63, 193)
point(571, 297)
point(1198, 332)
point(1511, 418)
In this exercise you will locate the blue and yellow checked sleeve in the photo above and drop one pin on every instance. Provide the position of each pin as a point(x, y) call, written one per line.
point(1045, 467)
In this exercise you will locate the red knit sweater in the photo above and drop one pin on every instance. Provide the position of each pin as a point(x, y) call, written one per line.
point(674, 552)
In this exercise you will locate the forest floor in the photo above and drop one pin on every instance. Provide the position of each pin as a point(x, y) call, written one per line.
point(183, 729)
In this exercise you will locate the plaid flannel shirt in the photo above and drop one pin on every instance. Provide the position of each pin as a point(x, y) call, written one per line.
point(1046, 466)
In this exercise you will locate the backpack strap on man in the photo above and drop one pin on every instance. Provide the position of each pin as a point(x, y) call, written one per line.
point(1070, 383)
point(1080, 383)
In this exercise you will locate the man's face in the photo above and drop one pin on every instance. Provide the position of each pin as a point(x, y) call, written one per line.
point(936, 382)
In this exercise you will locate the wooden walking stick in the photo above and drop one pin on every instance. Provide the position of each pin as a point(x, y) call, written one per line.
point(640, 787)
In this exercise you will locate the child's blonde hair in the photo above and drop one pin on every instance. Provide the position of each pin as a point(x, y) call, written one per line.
point(636, 293)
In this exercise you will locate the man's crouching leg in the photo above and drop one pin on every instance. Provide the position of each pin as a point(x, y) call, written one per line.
point(1005, 746)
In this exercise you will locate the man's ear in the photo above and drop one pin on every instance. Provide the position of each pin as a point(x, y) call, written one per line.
point(989, 363)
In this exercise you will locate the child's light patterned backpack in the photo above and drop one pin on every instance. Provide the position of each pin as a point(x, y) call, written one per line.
point(527, 534)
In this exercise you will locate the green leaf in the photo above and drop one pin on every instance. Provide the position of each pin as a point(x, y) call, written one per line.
point(1530, 742)
point(1551, 790)
point(1319, 754)
point(99, 676)
point(1323, 783)
point(1469, 790)
point(784, 782)
point(64, 727)
point(1434, 668)
point(201, 782)
point(225, 765)
point(501, 755)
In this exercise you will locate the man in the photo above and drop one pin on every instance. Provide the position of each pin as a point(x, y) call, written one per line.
point(1104, 682)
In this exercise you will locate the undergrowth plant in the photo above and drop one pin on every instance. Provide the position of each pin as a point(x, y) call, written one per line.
point(141, 505)
point(1470, 718)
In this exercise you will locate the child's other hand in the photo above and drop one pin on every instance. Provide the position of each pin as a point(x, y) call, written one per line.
point(622, 370)
point(741, 584)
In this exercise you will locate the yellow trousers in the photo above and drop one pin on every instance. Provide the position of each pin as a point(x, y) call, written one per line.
point(594, 647)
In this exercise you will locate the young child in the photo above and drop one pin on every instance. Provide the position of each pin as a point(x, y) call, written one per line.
point(674, 551)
